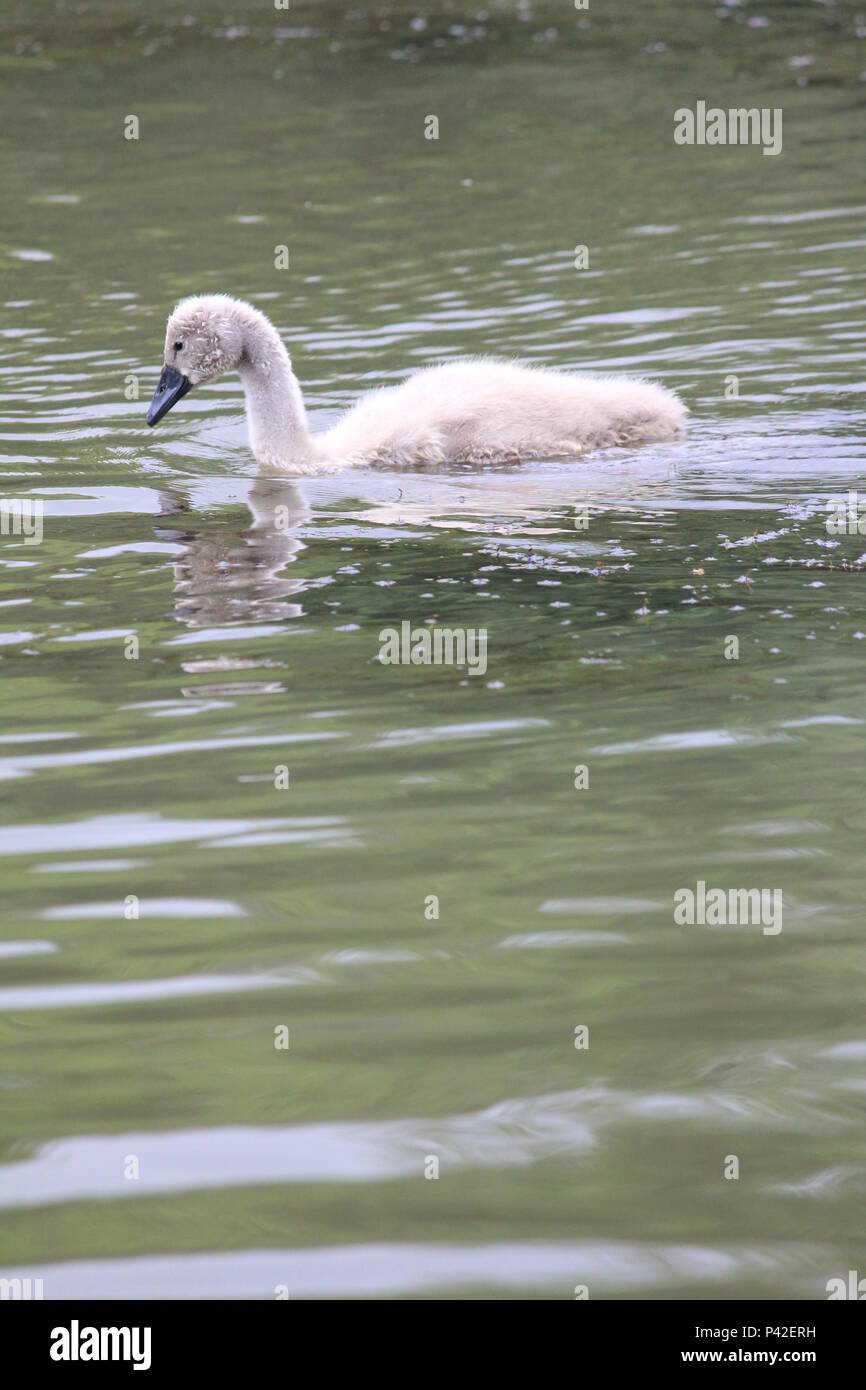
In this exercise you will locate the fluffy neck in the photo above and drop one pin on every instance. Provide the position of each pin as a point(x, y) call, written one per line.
point(275, 408)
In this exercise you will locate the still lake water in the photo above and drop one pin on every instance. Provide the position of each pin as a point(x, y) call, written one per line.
point(148, 1045)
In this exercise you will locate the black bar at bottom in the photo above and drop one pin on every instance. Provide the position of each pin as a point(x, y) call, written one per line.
point(158, 1338)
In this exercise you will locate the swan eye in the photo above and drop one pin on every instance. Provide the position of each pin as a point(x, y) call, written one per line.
point(178, 347)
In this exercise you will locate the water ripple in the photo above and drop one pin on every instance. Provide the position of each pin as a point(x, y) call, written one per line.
point(378, 1269)
point(511, 1133)
point(94, 994)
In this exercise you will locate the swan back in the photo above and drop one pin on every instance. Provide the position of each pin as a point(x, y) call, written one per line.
point(477, 409)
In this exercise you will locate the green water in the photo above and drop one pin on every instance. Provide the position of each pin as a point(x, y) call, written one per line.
point(146, 1044)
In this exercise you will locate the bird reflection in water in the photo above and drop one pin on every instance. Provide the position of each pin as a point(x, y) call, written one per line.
point(231, 576)
point(234, 573)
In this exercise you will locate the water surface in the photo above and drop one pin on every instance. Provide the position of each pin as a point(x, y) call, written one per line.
point(170, 905)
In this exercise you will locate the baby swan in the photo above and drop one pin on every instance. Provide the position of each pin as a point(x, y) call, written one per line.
point(470, 411)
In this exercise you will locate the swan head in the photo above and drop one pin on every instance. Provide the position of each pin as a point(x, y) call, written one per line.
point(204, 338)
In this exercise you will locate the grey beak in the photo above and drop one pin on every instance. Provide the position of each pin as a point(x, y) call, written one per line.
point(170, 387)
